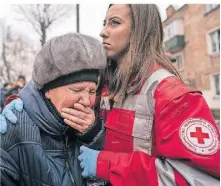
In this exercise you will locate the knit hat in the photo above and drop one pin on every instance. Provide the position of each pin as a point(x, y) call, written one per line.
point(62, 57)
point(79, 76)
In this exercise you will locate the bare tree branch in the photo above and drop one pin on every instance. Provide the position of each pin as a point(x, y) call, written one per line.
point(4, 58)
point(42, 16)
point(15, 55)
point(31, 17)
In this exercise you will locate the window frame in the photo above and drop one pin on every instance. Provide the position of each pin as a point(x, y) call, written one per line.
point(170, 27)
point(214, 82)
point(182, 58)
point(210, 7)
point(209, 42)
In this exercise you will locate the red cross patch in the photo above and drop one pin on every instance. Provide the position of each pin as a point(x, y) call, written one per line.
point(199, 136)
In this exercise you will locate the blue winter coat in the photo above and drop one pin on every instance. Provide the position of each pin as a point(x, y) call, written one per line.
point(41, 151)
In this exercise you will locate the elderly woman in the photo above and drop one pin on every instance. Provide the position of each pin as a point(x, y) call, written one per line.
point(41, 149)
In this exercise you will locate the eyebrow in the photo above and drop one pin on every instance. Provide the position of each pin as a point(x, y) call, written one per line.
point(113, 17)
point(82, 87)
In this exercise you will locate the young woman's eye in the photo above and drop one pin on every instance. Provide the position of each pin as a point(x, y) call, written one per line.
point(114, 22)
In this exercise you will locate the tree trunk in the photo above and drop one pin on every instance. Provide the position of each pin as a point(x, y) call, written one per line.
point(43, 36)
point(6, 63)
point(78, 17)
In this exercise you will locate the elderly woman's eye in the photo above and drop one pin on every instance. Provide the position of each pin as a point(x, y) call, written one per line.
point(75, 90)
point(92, 92)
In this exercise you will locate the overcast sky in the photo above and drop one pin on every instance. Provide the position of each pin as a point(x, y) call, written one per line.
point(91, 23)
point(91, 20)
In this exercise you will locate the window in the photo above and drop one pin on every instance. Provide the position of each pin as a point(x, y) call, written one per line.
point(169, 31)
point(173, 29)
point(179, 61)
point(210, 7)
point(217, 84)
point(214, 41)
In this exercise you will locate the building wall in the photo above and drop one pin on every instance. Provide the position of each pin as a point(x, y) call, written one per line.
point(199, 65)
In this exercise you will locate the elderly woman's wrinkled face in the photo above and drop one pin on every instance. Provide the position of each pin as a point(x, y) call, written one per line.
point(116, 31)
point(65, 96)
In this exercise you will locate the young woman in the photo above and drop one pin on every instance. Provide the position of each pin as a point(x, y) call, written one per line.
point(158, 131)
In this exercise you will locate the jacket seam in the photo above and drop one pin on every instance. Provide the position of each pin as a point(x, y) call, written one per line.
point(7, 169)
point(20, 143)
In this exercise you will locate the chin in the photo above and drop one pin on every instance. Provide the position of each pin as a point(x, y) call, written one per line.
point(58, 109)
point(115, 56)
point(111, 56)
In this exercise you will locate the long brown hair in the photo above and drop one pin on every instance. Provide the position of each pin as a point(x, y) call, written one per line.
point(145, 49)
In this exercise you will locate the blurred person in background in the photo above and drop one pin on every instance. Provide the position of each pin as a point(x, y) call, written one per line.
point(3, 90)
point(19, 84)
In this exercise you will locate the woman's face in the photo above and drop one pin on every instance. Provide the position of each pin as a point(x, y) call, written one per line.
point(116, 31)
point(65, 96)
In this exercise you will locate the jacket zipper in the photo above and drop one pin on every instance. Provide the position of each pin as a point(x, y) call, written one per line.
point(67, 162)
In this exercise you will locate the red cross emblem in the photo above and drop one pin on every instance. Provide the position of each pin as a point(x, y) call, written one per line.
point(199, 135)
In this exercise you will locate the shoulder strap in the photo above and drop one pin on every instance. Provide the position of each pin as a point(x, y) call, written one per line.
point(154, 79)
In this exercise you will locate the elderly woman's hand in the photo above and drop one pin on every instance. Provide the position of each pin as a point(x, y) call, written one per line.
point(80, 117)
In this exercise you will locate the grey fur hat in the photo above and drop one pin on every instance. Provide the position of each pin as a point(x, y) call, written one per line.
point(65, 55)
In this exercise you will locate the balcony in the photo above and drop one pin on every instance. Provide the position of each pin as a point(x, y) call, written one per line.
point(175, 44)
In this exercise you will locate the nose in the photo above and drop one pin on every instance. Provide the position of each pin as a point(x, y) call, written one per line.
point(85, 99)
point(104, 33)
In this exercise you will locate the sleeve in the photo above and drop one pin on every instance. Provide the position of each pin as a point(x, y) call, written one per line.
point(9, 170)
point(185, 129)
point(11, 98)
point(173, 162)
point(94, 136)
